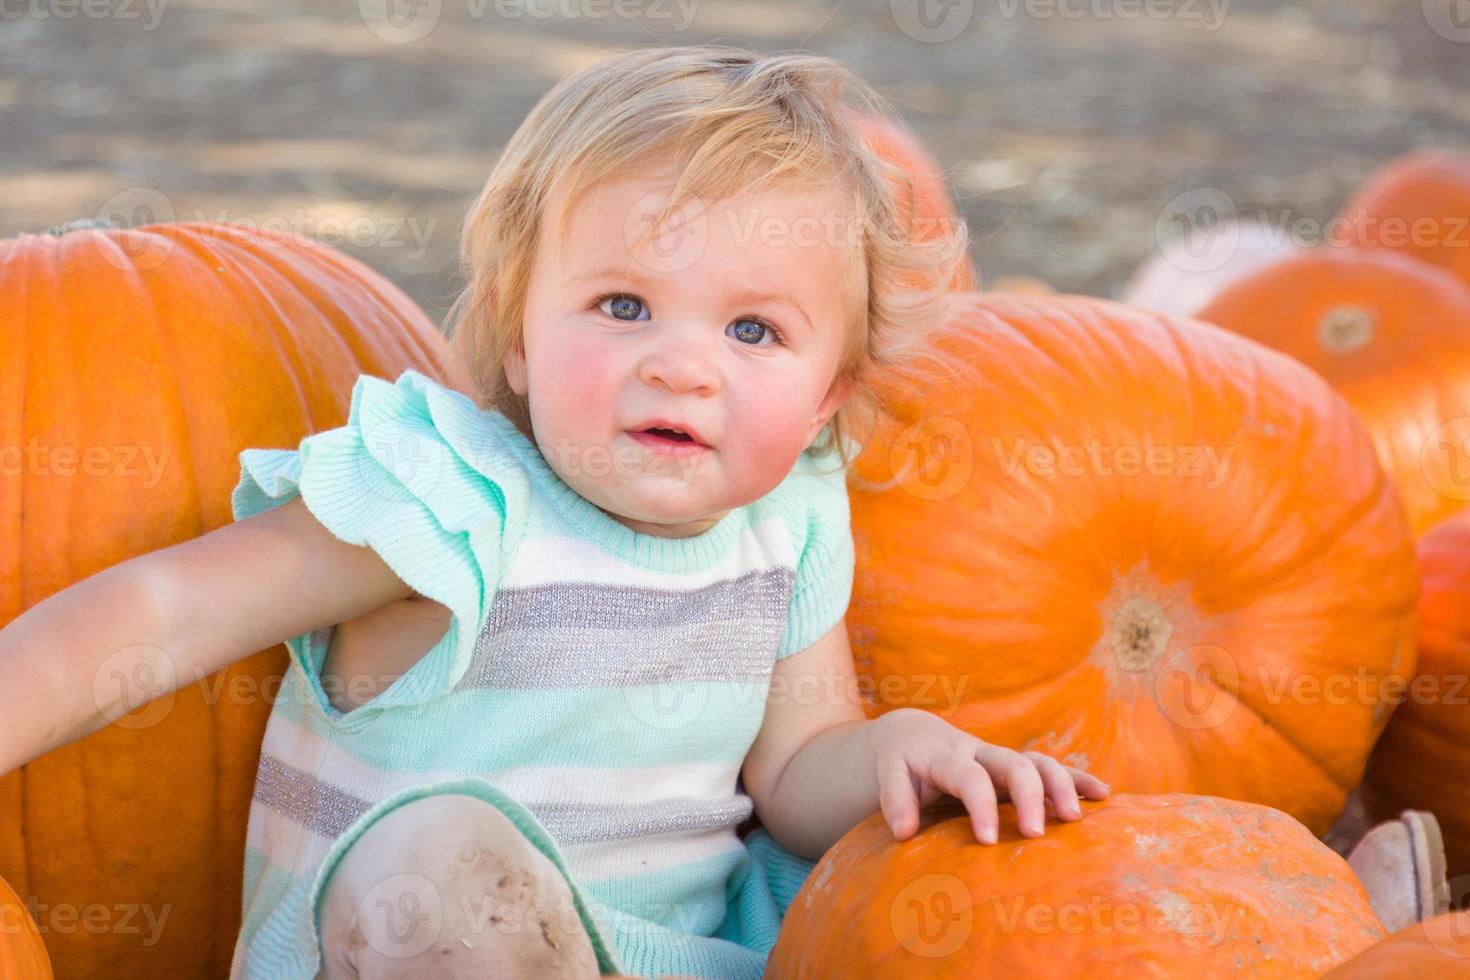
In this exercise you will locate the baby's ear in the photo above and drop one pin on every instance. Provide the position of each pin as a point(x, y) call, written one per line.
point(837, 395)
point(515, 368)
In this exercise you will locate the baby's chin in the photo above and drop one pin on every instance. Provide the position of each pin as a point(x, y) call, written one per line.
point(665, 527)
point(664, 517)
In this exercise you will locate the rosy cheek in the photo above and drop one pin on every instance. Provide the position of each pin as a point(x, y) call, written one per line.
point(581, 376)
point(762, 412)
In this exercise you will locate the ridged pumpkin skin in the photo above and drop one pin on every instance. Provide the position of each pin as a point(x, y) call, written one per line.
point(1418, 205)
point(1422, 759)
point(1438, 949)
point(1094, 610)
point(198, 341)
point(1393, 335)
point(923, 199)
point(1141, 886)
point(22, 953)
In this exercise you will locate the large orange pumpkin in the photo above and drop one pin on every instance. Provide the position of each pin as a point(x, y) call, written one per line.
point(136, 365)
point(1437, 949)
point(1146, 546)
point(1421, 761)
point(1417, 204)
point(1156, 886)
point(22, 953)
point(1393, 335)
point(923, 194)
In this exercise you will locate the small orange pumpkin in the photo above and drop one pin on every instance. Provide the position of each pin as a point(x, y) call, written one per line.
point(22, 953)
point(1161, 886)
point(1147, 546)
point(1436, 949)
point(1421, 760)
point(1393, 335)
point(1418, 205)
point(145, 359)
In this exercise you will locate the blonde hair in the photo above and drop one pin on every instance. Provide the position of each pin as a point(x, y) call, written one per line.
point(731, 121)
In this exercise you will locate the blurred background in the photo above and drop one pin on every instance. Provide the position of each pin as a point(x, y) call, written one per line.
point(1071, 130)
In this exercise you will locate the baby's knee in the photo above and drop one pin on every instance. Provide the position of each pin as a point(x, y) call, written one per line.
point(448, 886)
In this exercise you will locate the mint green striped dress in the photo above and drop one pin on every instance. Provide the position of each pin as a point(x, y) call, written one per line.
point(598, 685)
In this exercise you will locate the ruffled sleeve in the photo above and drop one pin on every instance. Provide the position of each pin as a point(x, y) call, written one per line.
point(824, 568)
point(410, 476)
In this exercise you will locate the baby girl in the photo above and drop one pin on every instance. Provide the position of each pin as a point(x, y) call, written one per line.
point(559, 629)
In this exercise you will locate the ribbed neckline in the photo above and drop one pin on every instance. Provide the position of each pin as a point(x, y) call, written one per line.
point(649, 550)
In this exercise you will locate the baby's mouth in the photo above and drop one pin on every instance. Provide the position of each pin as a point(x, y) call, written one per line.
point(673, 434)
point(667, 440)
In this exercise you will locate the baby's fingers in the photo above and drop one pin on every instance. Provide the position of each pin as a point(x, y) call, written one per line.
point(974, 787)
point(1089, 785)
point(1022, 783)
point(1059, 786)
point(962, 776)
point(897, 798)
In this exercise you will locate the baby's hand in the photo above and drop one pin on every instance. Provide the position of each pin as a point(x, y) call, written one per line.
point(922, 757)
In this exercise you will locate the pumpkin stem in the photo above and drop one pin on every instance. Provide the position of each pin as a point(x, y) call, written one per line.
point(78, 225)
point(1343, 329)
point(1139, 633)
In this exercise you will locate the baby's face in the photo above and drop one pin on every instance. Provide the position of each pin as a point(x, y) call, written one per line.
point(729, 324)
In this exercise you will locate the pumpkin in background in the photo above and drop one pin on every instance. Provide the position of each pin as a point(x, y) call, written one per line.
point(1145, 546)
point(1159, 886)
point(1186, 273)
point(22, 953)
point(1393, 335)
point(1418, 205)
point(1436, 949)
point(1421, 761)
point(923, 198)
point(1030, 285)
point(162, 351)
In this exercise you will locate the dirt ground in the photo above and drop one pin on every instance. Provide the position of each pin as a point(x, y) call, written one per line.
point(1066, 125)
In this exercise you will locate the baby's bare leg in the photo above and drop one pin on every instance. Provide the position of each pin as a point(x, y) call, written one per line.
point(447, 886)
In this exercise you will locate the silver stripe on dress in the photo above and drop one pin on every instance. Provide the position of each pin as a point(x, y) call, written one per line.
point(579, 635)
point(329, 810)
point(311, 802)
point(582, 823)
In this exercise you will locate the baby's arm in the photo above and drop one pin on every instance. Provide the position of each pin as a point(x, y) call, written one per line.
point(370, 652)
point(157, 622)
point(817, 767)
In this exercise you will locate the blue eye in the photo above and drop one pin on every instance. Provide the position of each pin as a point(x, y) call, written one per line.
point(748, 330)
point(624, 303)
point(752, 334)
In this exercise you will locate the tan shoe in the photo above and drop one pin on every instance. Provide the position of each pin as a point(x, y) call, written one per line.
point(1401, 863)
